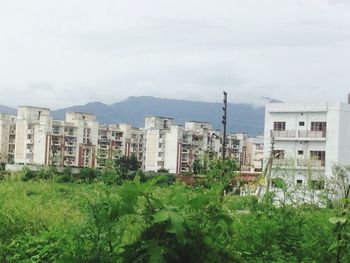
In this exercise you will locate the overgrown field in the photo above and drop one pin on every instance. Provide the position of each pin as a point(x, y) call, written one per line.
point(46, 221)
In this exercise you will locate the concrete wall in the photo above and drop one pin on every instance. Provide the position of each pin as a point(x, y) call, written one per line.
point(172, 139)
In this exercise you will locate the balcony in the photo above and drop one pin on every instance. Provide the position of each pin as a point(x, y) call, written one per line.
point(312, 134)
point(197, 143)
point(69, 162)
point(29, 151)
point(299, 163)
point(292, 135)
point(68, 153)
point(70, 143)
point(284, 163)
point(283, 134)
point(310, 163)
point(55, 131)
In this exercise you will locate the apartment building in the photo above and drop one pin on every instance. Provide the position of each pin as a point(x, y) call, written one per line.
point(236, 147)
point(73, 142)
point(110, 144)
point(117, 140)
point(175, 147)
point(308, 138)
point(156, 128)
point(196, 140)
point(32, 126)
point(7, 137)
point(134, 142)
point(255, 153)
point(33, 137)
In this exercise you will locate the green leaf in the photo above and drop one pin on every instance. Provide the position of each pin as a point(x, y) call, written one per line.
point(161, 216)
point(336, 220)
point(198, 202)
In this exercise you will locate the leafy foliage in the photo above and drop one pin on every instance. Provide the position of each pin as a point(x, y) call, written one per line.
point(147, 219)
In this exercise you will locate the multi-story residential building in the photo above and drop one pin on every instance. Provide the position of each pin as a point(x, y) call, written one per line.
point(134, 142)
point(255, 153)
point(110, 144)
point(62, 146)
point(308, 138)
point(7, 137)
point(32, 126)
point(33, 137)
point(236, 147)
point(73, 142)
point(117, 140)
point(172, 149)
point(86, 128)
point(156, 128)
point(196, 140)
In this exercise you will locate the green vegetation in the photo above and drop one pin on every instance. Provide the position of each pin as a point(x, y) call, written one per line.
point(110, 216)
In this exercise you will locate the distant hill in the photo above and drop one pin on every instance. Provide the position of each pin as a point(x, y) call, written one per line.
point(241, 117)
point(9, 110)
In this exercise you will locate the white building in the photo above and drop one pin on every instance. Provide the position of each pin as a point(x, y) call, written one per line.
point(73, 142)
point(156, 128)
point(196, 141)
point(309, 138)
point(32, 126)
point(236, 147)
point(255, 153)
point(7, 137)
point(116, 140)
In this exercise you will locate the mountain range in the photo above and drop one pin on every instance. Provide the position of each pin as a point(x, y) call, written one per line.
point(240, 117)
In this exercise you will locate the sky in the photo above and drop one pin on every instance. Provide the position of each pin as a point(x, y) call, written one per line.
point(66, 52)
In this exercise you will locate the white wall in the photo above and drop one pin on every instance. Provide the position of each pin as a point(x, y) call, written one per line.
point(171, 148)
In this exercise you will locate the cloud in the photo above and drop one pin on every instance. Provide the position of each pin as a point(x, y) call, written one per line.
point(58, 53)
point(41, 86)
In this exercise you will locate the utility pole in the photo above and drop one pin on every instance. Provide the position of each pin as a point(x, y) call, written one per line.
point(269, 165)
point(224, 121)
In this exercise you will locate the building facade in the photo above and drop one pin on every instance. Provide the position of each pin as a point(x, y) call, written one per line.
point(73, 142)
point(7, 138)
point(307, 139)
point(32, 126)
point(34, 137)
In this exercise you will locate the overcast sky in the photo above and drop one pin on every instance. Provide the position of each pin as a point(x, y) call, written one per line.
point(64, 52)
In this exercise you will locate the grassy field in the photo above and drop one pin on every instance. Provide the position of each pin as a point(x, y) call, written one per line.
point(46, 221)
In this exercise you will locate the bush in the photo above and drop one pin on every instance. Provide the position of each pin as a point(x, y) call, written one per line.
point(88, 175)
point(162, 170)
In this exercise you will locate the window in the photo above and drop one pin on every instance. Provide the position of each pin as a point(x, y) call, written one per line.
point(301, 123)
point(300, 152)
point(279, 126)
point(318, 126)
point(299, 182)
point(318, 155)
point(278, 154)
point(165, 124)
point(317, 184)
